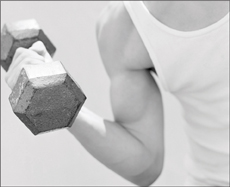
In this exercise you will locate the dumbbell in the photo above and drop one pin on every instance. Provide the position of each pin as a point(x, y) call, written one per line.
point(45, 97)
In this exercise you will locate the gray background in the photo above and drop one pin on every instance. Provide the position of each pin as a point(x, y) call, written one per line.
point(56, 158)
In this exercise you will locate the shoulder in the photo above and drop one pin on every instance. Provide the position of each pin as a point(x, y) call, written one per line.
point(112, 18)
point(119, 43)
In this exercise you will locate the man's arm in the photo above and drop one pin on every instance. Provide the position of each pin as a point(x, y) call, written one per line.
point(132, 145)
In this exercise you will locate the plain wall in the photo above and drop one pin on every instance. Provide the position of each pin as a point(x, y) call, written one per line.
point(57, 158)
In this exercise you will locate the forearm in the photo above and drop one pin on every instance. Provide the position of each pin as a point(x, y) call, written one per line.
point(111, 144)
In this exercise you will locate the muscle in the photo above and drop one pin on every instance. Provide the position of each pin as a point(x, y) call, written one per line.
point(119, 42)
point(137, 106)
point(135, 98)
point(132, 143)
point(132, 91)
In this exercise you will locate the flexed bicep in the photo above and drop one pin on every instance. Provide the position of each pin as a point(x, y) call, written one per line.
point(135, 97)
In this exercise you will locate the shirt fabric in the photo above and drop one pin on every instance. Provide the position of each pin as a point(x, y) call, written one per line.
point(194, 67)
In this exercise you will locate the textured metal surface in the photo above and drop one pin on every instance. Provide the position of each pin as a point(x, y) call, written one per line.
point(26, 43)
point(47, 108)
point(49, 45)
point(18, 35)
point(42, 103)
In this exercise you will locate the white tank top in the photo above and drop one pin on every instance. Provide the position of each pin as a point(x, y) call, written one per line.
point(194, 66)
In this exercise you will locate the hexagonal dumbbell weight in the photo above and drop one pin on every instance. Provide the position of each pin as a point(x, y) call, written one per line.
point(45, 97)
point(21, 34)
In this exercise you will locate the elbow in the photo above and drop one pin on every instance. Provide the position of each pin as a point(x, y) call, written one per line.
point(147, 178)
point(149, 181)
point(145, 170)
point(150, 174)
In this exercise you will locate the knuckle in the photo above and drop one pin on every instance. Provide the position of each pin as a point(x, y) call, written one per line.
point(40, 44)
point(20, 50)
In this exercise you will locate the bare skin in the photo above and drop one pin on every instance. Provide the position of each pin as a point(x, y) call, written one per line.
point(132, 144)
point(136, 149)
point(188, 15)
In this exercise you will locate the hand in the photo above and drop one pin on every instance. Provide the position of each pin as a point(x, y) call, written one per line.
point(35, 55)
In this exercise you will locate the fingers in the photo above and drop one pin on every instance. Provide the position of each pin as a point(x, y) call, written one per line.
point(35, 55)
point(39, 48)
point(12, 76)
point(22, 53)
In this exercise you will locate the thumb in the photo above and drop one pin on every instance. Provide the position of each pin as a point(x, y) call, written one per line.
point(40, 48)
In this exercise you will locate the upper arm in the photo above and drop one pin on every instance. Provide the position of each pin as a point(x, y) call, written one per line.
point(135, 97)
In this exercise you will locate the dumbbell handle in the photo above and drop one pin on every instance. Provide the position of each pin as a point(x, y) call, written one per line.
point(21, 34)
point(45, 97)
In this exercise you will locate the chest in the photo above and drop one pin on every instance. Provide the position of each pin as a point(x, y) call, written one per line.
point(188, 15)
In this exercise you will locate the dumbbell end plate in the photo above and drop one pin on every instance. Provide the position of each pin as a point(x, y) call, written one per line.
point(46, 102)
